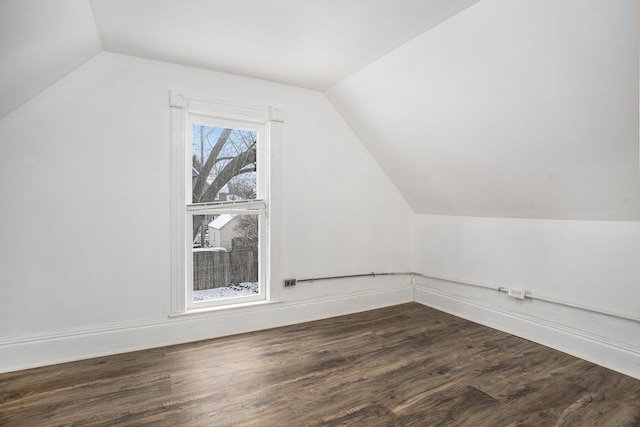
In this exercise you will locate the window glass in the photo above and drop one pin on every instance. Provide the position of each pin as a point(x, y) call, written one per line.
point(225, 240)
point(223, 164)
point(227, 265)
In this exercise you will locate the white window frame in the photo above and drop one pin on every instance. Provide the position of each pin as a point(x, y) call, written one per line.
point(266, 121)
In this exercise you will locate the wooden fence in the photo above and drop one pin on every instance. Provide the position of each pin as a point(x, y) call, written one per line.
point(213, 269)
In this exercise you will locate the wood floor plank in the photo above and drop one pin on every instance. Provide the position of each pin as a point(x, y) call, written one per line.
point(406, 365)
point(455, 404)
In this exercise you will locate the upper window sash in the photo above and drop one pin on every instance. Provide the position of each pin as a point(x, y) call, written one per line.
point(259, 129)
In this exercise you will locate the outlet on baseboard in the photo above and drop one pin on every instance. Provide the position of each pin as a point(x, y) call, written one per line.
point(516, 293)
point(289, 283)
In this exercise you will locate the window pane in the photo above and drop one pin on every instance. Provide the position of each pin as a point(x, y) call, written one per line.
point(225, 256)
point(223, 164)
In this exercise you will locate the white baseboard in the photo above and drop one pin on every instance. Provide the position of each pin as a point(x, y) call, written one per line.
point(616, 356)
point(45, 350)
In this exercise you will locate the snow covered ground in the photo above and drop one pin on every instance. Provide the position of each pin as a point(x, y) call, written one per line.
point(239, 290)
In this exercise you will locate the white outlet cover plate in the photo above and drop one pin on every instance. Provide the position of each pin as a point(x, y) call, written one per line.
point(516, 293)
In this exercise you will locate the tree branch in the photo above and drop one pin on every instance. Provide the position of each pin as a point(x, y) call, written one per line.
point(229, 171)
point(198, 186)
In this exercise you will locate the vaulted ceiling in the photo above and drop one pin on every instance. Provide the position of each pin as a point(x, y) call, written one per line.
point(509, 109)
point(486, 108)
point(308, 43)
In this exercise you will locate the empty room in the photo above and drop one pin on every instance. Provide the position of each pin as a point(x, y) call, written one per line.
point(319, 212)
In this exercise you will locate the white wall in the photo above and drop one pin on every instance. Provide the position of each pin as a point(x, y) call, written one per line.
point(86, 164)
point(588, 263)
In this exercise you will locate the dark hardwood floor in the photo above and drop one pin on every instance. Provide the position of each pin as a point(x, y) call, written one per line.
point(407, 365)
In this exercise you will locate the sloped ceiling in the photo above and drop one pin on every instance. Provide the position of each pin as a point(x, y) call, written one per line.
point(509, 109)
point(497, 108)
point(40, 42)
point(308, 43)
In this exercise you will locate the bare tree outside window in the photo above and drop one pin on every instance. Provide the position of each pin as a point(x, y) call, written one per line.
point(224, 168)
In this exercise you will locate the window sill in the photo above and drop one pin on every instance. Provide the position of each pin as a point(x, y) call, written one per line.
point(225, 309)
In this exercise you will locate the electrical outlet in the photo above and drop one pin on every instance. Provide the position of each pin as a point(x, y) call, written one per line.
point(516, 293)
point(289, 283)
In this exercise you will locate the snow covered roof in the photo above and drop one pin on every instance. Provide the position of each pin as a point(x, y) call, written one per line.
point(220, 222)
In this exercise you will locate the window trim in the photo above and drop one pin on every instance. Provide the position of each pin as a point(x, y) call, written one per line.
point(184, 109)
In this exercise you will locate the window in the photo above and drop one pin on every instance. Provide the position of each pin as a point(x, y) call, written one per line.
point(220, 202)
